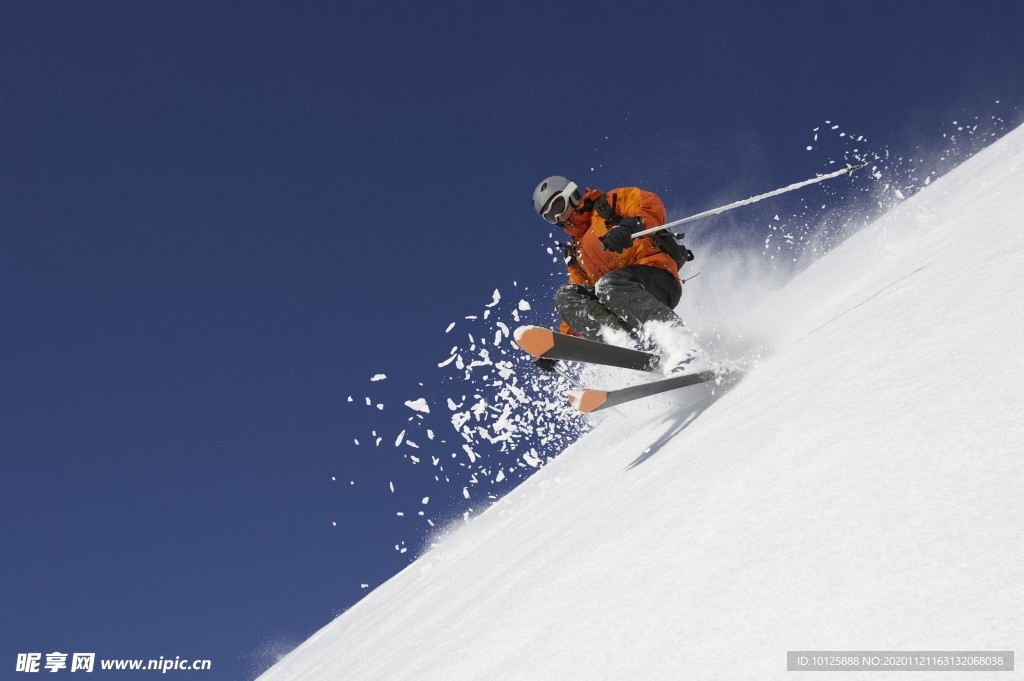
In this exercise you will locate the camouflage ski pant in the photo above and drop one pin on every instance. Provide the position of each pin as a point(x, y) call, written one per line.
point(623, 300)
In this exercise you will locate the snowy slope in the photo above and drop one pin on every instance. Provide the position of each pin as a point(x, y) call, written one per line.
point(859, 490)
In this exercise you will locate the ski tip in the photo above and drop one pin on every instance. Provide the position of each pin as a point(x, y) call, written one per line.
point(588, 400)
point(535, 340)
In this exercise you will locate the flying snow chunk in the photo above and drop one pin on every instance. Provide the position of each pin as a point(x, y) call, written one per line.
point(419, 405)
point(450, 327)
point(523, 306)
point(378, 377)
point(496, 299)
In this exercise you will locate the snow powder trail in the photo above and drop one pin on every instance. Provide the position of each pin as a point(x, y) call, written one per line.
point(858, 490)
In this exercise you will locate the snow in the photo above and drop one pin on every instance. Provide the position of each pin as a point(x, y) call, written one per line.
point(419, 405)
point(379, 377)
point(859, 489)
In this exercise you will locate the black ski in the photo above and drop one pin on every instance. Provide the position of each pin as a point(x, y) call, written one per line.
point(541, 342)
point(588, 400)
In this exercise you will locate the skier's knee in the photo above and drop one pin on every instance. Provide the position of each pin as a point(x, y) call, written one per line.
point(563, 296)
point(613, 284)
point(570, 296)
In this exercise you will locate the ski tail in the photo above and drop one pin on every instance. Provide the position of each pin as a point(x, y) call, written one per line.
point(588, 400)
point(535, 340)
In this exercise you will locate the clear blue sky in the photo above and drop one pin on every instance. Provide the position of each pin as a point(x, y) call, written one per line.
point(219, 219)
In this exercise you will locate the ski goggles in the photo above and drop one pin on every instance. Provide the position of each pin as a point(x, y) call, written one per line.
point(560, 202)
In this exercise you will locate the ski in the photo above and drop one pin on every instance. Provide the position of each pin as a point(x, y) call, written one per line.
point(588, 400)
point(541, 342)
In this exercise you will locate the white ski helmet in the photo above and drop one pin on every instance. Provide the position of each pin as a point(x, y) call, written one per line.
point(553, 195)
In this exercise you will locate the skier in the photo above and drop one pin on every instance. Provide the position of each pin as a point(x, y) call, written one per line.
point(619, 290)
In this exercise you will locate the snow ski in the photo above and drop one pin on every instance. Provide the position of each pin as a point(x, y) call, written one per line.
point(588, 400)
point(541, 342)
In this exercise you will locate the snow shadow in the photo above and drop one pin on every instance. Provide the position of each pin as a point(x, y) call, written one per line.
point(687, 414)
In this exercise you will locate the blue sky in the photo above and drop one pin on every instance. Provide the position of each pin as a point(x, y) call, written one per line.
point(219, 220)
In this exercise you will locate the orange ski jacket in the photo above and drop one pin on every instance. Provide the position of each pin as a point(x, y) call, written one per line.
point(587, 259)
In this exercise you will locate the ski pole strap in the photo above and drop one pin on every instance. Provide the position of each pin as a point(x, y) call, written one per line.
point(568, 252)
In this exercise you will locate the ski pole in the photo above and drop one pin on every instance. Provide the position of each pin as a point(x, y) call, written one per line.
point(848, 170)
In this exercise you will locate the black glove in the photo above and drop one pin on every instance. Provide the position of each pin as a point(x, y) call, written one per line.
point(546, 363)
point(620, 236)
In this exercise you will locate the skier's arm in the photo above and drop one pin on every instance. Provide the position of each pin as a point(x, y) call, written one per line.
point(651, 210)
point(645, 252)
point(577, 275)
